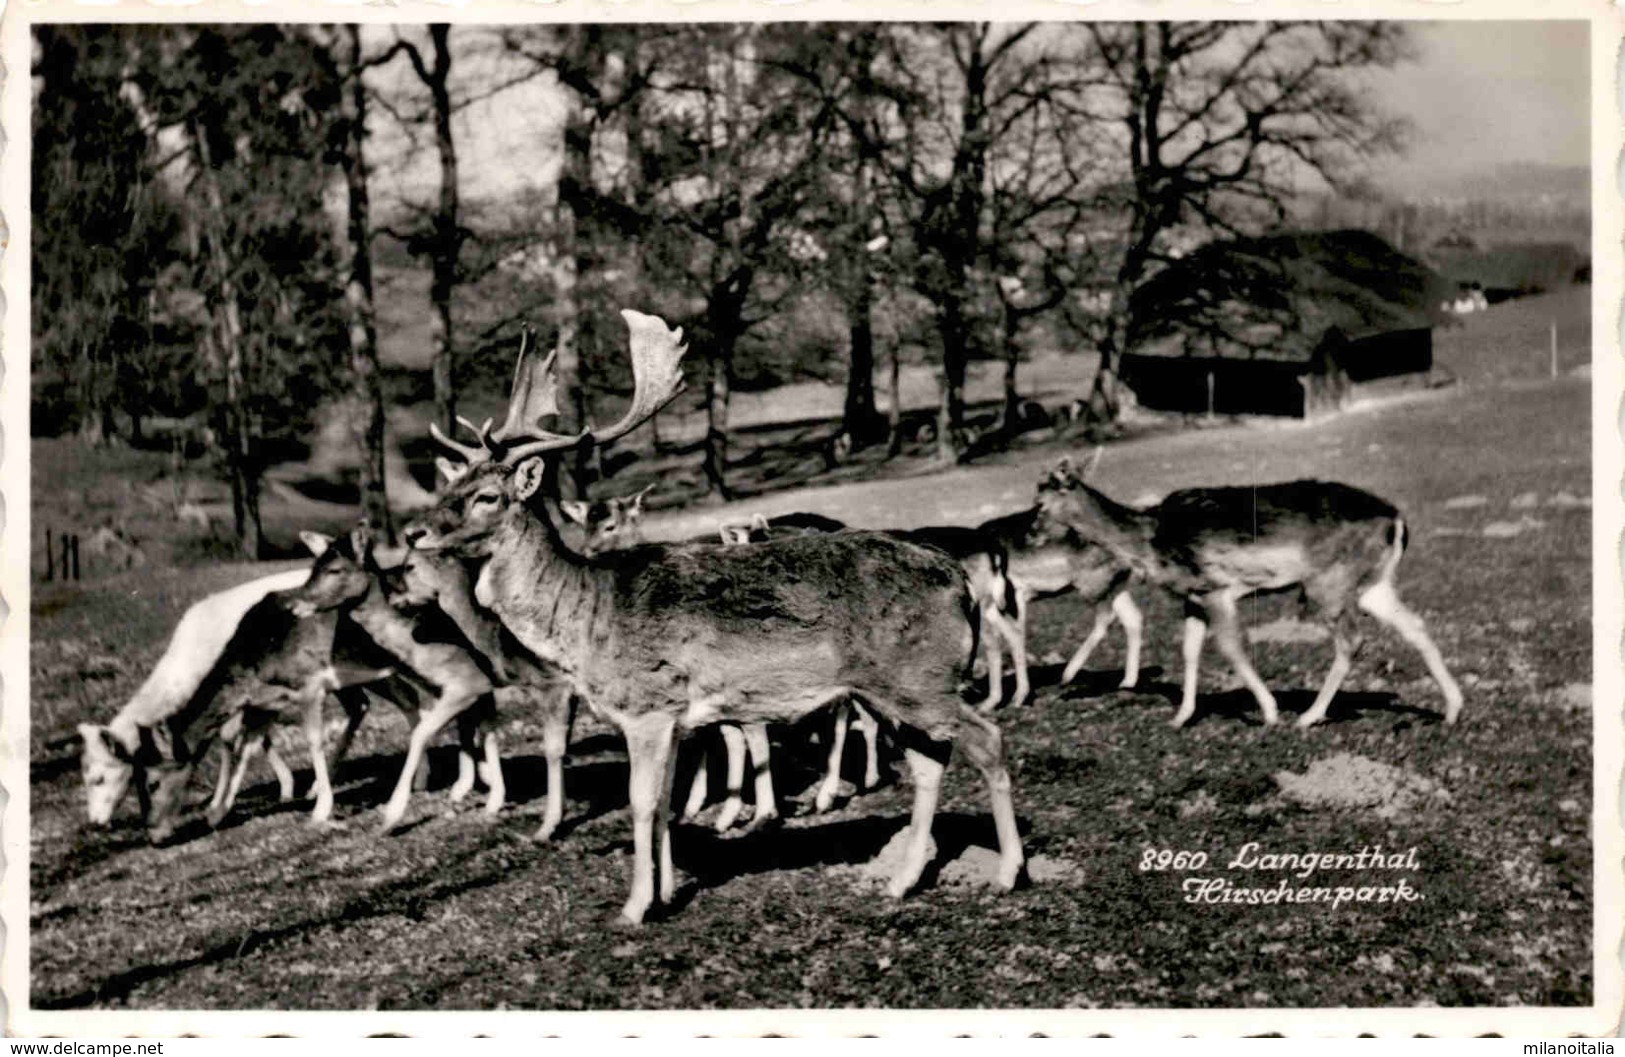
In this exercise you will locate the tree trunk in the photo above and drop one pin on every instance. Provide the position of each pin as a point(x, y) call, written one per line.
point(951, 409)
point(1010, 417)
point(448, 240)
point(358, 301)
point(241, 449)
point(575, 177)
point(894, 414)
point(718, 392)
point(860, 419)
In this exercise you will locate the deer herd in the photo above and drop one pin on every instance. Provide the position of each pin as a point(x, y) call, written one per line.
point(497, 611)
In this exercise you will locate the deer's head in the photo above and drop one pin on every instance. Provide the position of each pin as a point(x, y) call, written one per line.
point(1063, 493)
point(107, 765)
point(609, 523)
point(488, 495)
point(343, 573)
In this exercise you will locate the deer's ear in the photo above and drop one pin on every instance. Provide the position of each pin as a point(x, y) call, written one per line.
point(316, 543)
point(575, 510)
point(1093, 464)
point(527, 477)
point(101, 743)
point(635, 501)
point(451, 471)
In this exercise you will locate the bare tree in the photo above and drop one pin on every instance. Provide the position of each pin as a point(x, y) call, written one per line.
point(1215, 126)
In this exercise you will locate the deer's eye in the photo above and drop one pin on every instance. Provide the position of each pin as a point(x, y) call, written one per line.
point(484, 498)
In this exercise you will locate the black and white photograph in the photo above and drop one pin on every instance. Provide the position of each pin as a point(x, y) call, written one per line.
point(1107, 521)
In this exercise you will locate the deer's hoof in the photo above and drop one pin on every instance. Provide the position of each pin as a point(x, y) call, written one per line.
point(1011, 874)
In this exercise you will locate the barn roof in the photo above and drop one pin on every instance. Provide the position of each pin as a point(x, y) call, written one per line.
point(1276, 297)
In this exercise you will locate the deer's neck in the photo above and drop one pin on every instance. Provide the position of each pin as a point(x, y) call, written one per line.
point(551, 599)
point(1123, 530)
point(384, 624)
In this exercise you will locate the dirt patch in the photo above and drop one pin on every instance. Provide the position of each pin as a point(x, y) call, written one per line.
point(1466, 502)
point(1500, 530)
point(975, 867)
point(1347, 781)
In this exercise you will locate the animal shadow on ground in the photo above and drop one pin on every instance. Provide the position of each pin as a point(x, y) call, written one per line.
point(712, 860)
point(1347, 707)
point(1089, 683)
point(410, 895)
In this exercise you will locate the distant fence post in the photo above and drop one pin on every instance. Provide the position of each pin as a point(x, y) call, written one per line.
point(1554, 348)
point(75, 538)
point(1210, 394)
point(50, 557)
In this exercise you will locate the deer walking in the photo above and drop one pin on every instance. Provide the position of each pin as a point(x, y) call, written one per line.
point(667, 638)
point(1339, 546)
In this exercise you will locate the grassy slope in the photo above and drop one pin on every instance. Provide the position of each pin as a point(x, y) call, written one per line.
point(457, 913)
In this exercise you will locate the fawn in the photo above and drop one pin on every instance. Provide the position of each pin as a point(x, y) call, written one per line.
point(1339, 546)
point(346, 578)
point(667, 638)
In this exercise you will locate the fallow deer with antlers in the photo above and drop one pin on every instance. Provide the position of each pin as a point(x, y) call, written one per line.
point(1337, 545)
point(667, 638)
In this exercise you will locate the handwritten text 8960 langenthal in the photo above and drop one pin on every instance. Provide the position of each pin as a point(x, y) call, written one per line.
point(1299, 867)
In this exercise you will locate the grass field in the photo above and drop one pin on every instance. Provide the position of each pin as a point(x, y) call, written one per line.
point(459, 912)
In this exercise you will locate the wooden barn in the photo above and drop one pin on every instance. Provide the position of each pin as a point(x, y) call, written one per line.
point(1283, 325)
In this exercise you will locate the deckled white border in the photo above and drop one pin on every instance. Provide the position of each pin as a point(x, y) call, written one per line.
point(1608, 417)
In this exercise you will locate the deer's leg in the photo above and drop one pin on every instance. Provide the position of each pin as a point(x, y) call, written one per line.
point(1097, 633)
point(1341, 658)
point(700, 786)
point(927, 774)
point(1221, 606)
point(226, 794)
point(284, 773)
point(761, 765)
point(984, 744)
point(223, 779)
point(733, 739)
point(1128, 614)
point(353, 700)
point(323, 786)
point(445, 709)
point(491, 771)
point(649, 751)
point(1195, 634)
point(831, 785)
point(468, 740)
point(556, 711)
point(1382, 602)
point(993, 650)
point(1015, 637)
point(866, 722)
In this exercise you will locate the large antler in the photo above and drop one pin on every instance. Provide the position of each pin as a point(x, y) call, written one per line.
point(657, 378)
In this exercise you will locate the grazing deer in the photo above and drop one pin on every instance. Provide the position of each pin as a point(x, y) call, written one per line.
point(659, 638)
point(107, 760)
point(274, 661)
point(528, 685)
point(1214, 546)
point(346, 578)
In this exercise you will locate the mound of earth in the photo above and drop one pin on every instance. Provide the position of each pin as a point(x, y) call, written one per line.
point(1348, 781)
point(975, 867)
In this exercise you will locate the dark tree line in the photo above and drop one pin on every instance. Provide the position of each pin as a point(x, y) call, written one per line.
point(211, 225)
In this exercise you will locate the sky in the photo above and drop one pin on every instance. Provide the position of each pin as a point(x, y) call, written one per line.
point(1491, 93)
point(1479, 95)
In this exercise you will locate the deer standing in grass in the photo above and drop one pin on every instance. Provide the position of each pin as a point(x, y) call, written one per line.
point(1338, 546)
point(347, 579)
point(667, 638)
point(526, 684)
